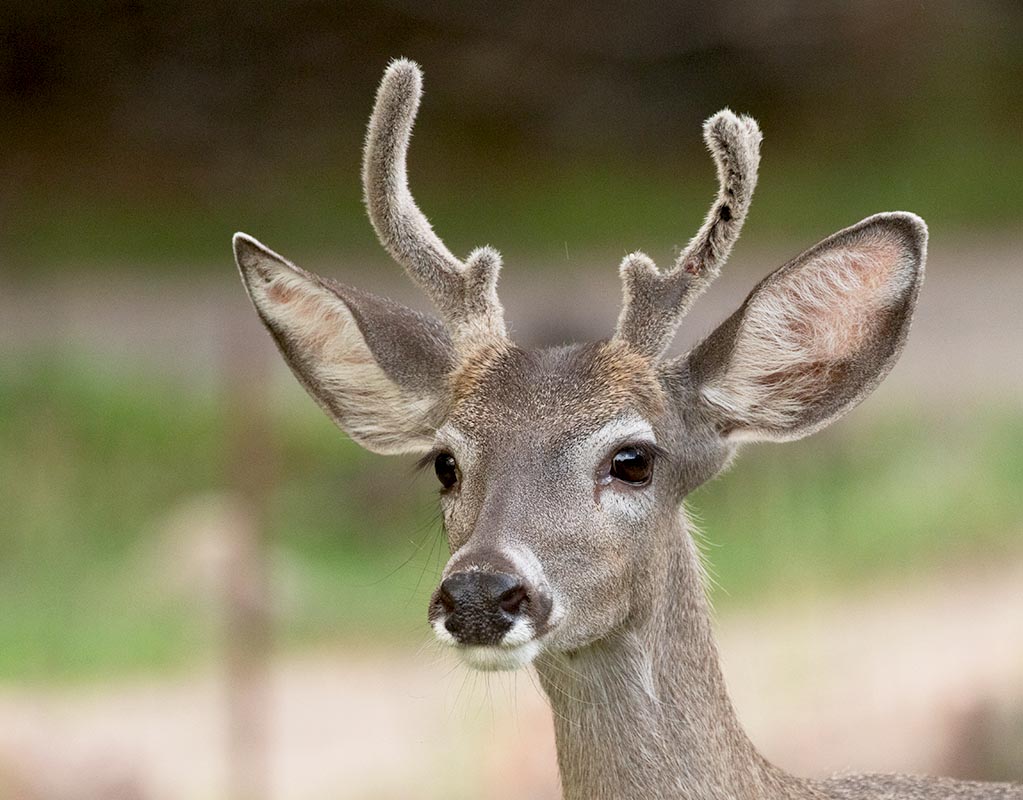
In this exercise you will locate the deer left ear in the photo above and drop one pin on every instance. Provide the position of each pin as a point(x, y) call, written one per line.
point(817, 335)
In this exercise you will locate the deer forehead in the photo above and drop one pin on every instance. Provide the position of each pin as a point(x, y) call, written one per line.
point(564, 392)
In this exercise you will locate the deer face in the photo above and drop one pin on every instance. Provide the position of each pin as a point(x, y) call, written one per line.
point(562, 470)
point(551, 473)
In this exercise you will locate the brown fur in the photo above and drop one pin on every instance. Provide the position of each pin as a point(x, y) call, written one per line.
point(499, 385)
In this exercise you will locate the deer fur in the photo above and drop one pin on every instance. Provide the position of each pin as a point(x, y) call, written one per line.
point(558, 560)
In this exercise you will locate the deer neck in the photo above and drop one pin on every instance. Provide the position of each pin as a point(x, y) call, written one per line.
point(644, 713)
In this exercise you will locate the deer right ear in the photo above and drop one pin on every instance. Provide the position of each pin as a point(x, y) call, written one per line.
point(377, 368)
point(817, 335)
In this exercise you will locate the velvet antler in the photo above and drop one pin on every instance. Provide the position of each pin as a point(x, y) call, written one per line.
point(655, 302)
point(464, 293)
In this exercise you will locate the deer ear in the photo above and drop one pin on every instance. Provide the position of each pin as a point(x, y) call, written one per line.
point(377, 368)
point(817, 335)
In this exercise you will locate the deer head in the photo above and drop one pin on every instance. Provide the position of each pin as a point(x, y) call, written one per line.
point(563, 470)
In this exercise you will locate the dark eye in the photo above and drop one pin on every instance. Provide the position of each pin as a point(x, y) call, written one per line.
point(447, 469)
point(632, 465)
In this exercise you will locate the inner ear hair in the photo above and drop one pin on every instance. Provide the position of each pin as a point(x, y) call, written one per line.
point(817, 335)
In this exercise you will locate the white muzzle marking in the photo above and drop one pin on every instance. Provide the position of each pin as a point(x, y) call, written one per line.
point(517, 647)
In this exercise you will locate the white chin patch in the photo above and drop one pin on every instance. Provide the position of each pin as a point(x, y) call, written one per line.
point(517, 649)
point(491, 658)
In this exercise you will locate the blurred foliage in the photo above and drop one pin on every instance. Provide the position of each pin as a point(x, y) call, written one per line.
point(145, 132)
point(93, 580)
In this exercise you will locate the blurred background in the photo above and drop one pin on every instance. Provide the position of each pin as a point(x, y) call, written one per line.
point(207, 592)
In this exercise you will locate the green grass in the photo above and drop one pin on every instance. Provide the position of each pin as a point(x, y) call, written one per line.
point(94, 580)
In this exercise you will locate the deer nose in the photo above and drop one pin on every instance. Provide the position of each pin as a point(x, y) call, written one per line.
point(478, 607)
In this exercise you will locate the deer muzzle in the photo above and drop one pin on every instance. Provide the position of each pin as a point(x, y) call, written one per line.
point(493, 617)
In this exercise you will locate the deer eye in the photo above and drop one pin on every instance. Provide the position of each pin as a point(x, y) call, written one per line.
point(632, 465)
point(447, 469)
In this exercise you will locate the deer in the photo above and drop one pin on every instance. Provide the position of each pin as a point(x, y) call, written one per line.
point(563, 470)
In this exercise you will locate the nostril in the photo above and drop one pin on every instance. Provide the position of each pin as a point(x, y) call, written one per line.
point(447, 602)
point(453, 624)
point(512, 599)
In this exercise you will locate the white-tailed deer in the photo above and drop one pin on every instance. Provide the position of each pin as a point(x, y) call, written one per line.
point(563, 470)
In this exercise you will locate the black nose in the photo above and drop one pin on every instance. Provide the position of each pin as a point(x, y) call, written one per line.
point(479, 607)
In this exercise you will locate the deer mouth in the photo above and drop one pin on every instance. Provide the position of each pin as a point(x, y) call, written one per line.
point(516, 648)
point(498, 658)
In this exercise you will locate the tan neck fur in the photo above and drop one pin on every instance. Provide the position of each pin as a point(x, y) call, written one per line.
point(644, 713)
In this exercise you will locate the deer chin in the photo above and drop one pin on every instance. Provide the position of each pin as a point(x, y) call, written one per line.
point(517, 648)
point(499, 658)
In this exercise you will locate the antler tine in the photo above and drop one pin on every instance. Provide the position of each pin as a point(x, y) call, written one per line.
point(655, 302)
point(464, 293)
